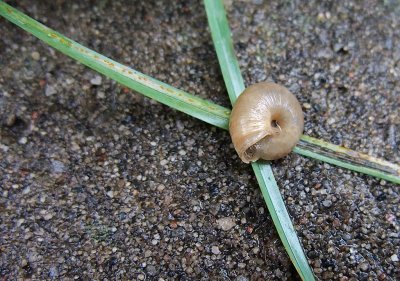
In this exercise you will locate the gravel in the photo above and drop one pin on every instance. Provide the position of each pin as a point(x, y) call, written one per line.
point(101, 183)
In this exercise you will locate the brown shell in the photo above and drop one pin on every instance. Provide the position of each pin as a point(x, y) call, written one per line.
point(266, 122)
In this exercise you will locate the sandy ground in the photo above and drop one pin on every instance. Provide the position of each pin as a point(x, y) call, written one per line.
point(99, 183)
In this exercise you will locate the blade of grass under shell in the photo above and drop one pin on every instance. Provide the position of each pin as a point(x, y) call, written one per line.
point(347, 158)
point(221, 36)
point(194, 106)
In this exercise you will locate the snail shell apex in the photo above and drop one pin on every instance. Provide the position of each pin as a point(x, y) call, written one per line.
point(266, 122)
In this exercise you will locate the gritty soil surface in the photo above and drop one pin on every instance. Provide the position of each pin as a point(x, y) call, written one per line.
point(100, 183)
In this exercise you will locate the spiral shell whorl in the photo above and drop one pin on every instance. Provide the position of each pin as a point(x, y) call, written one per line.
point(266, 122)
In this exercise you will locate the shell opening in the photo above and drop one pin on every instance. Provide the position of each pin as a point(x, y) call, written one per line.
point(250, 152)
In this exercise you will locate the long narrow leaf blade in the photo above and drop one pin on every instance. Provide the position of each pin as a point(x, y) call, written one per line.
point(287, 233)
point(221, 35)
point(347, 155)
point(207, 111)
point(150, 87)
point(357, 162)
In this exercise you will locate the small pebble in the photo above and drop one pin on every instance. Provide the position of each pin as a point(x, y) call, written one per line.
point(325, 53)
point(215, 250)
point(96, 80)
point(35, 55)
point(151, 270)
point(48, 216)
point(331, 121)
point(327, 203)
point(226, 223)
point(23, 140)
point(26, 190)
point(161, 187)
point(50, 90)
point(364, 266)
point(57, 166)
point(101, 95)
point(53, 272)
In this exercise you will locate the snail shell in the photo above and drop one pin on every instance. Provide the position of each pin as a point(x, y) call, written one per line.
point(266, 122)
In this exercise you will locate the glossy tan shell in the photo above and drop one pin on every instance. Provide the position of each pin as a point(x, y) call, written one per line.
point(266, 122)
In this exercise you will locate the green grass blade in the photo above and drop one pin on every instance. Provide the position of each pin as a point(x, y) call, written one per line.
point(280, 216)
point(150, 87)
point(348, 155)
point(221, 36)
point(378, 169)
point(192, 105)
